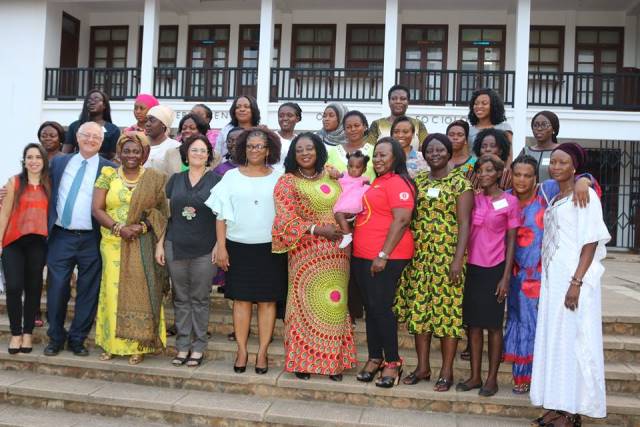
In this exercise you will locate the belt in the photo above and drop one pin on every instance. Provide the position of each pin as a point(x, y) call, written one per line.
point(72, 231)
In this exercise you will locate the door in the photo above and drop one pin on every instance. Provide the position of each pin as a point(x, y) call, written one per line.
point(599, 54)
point(207, 75)
point(108, 58)
point(424, 58)
point(480, 61)
point(248, 47)
point(69, 42)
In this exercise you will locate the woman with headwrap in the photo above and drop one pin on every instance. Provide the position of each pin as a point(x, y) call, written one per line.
point(159, 121)
point(545, 126)
point(130, 204)
point(568, 365)
point(141, 106)
point(332, 132)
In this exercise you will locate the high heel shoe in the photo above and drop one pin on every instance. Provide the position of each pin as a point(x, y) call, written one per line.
point(368, 376)
point(240, 369)
point(262, 371)
point(388, 382)
point(14, 350)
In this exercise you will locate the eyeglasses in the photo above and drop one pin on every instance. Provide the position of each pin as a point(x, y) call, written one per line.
point(90, 136)
point(541, 125)
point(198, 150)
point(258, 147)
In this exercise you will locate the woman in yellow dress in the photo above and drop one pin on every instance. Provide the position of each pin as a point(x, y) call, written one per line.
point(130, 204)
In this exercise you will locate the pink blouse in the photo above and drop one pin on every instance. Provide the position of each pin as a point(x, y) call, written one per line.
point(491, 219)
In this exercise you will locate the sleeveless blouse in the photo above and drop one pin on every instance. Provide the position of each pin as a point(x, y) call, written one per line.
point(29, 215)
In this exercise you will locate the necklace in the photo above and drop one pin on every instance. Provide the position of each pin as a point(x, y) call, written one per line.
point(127, 182)
point(314, 176)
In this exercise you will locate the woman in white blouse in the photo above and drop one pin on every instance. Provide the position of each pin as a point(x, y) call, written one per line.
point(244, 205)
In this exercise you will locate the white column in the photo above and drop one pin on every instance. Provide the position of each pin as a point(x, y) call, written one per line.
point(264, 56)
point(523, 22)
point(151, 25)
point(390, 47)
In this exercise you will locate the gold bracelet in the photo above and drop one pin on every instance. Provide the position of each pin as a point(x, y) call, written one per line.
point(144, 227)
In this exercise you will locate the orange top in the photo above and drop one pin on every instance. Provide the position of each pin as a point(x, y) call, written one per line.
point(29, 215)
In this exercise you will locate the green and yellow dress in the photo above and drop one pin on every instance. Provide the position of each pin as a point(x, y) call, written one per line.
point(426, 300)
point(118, 202)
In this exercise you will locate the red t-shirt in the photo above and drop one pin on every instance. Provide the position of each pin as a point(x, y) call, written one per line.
point(372, 225)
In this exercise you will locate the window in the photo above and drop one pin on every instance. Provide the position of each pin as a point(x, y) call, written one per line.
point(207, 56)
point(365, 46)
point(249, 45)
point(313, 46)
point(599, 50)
point(108, 47)
point(546, 47)
point(424, 47)
point(167, 46)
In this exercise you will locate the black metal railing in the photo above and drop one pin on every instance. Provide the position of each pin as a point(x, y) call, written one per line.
point(207, 84)
point(616, 91)
point(454, 87)
point(326, 84)
point(75, 83)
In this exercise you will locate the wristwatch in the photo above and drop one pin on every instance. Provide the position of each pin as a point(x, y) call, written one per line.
point(382, 255)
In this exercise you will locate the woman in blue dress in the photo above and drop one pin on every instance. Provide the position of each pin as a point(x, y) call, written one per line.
point(522, 300)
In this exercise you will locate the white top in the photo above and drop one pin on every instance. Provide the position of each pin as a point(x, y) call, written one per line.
point(286, 143)
point(568, 364)
point(81, 215)
point(246, 204)
point(157, 153)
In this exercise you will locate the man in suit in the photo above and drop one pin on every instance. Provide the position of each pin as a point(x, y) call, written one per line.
point(74, 238)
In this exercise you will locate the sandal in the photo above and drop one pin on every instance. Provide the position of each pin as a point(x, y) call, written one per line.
point(135, 359)
point(413, 379)
point(179, 361)
point(545, 419)
point(465, 355)
point(106, 356)
point(368, 376)
point(463, 386)
point(193, 362)
point(443, 384)
point(521, 388)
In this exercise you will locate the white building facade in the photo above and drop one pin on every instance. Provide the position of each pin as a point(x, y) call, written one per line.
point(578, 58)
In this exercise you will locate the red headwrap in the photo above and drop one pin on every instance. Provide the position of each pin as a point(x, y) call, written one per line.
point(148, 100)
point(577, 153)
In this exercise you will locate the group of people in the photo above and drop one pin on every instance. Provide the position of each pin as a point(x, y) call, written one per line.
point(434, 231)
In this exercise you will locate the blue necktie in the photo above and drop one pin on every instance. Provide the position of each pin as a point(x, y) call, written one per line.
point(72, 196)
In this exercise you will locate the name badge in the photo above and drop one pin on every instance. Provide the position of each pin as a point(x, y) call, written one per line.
point(545, 161)
point(433, 193)
point(500, 204)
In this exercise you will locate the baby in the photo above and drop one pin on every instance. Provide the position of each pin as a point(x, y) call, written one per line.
point(354, 185)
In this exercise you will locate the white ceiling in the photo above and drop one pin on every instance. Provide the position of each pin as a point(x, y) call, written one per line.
point(182, 6)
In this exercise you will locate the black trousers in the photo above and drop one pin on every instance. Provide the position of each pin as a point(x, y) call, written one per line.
point(23, 262)
point(378, 293)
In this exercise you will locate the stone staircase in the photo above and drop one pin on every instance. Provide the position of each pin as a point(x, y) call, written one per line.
point(156, 393)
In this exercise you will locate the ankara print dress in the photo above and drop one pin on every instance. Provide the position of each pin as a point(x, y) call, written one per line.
point(318, 334)
point(426, 300)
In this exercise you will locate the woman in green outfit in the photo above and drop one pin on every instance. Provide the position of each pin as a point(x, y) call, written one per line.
point(429, 295)
point(355, 127)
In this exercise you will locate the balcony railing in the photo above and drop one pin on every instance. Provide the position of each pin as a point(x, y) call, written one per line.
point(619, 91)
point(326, 84)
point(75, 83)
point(454, 87)
point(205, 84)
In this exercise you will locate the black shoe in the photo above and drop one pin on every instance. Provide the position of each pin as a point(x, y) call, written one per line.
point(261, 371)
point(79, 350)
point(52, 349)
point(336, 377)
point(172, 330)
point(23, 350)
point(231, 336)
point(302, 375)
point(240, 369)
point(368, 376)
point(14, 350)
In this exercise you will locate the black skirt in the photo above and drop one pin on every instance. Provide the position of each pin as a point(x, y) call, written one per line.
point(480, 307)
point(255, 273)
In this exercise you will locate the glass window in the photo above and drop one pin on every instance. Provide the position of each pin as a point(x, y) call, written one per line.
point(365, 46)
point(313, 45)
point(546, 46)
point(471, 34)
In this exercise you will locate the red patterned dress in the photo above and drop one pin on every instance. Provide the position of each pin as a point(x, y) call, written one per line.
point(318, 334)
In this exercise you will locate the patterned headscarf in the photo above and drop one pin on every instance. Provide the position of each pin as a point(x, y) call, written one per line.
point(138, 138)
point(335, 137)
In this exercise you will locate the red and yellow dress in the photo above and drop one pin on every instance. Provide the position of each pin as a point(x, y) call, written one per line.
point(318, 333)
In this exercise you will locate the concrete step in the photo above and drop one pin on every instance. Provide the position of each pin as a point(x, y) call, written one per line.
point(214, 391)
point(622, 377)
point(175, 406)
point(618, 347)
point(20, 416)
